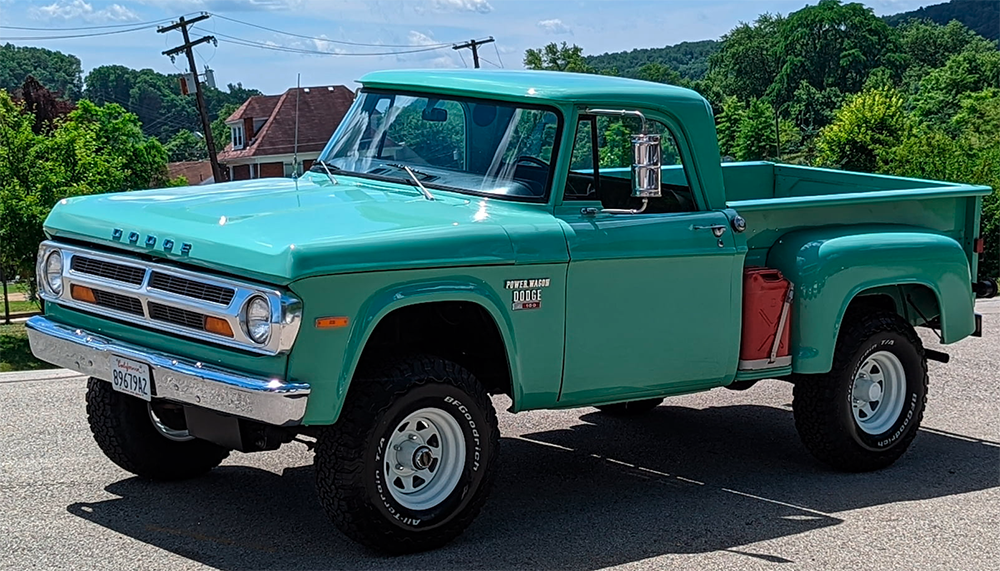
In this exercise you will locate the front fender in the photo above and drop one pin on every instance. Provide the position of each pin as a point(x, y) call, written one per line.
point(830, 266)
point(328, 358)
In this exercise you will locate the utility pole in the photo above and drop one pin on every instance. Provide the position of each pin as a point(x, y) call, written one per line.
point(188, 44)
point(474, 46)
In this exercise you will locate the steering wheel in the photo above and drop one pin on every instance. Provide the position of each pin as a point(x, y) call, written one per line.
point(530, 159)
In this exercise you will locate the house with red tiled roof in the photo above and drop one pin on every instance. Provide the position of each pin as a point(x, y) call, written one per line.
point(262, 130)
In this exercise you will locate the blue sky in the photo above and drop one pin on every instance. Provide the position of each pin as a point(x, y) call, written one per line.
point(597, 26)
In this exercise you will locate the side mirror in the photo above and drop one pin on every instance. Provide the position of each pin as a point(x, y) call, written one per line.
point(646, 172)
point(435, 115)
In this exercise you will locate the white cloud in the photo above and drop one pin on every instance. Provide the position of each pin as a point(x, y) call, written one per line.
point(554, 26)
point(225, 5)
point(481, 6)
point(74, 9)
point(430, 58)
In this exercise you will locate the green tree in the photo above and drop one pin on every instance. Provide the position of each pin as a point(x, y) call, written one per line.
point(616, 150)
point(812, 109)
point(57, 71)
point(755, 136)
point(186, 146)
point(974, 69)
point(220, 131)
point(659, 73)
point(832, 45)
point(555, 57)
point(869, 124)
point(156, 100)
point(727, 125)
point(928, 45)
point(95, 149)
point(748, 62)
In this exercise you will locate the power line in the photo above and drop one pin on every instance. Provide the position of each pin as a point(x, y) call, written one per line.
point(499, 59)
point(288, 49)
point(108, 33)
point(50, 28)
point(489, 62)
point(346, 43)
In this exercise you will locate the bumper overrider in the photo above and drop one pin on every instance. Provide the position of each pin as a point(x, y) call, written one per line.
point(271, 401)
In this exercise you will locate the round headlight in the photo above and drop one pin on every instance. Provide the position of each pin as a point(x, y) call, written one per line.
point(257, 317)
point(53, 272)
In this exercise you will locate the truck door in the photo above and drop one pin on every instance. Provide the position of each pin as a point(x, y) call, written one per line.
point(653, 299)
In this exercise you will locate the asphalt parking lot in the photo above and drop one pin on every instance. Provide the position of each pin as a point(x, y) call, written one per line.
point(710, 481)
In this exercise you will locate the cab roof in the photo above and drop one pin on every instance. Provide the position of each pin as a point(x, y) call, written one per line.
point(555, 86)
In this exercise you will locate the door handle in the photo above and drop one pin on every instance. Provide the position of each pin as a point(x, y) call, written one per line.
point(717, 229)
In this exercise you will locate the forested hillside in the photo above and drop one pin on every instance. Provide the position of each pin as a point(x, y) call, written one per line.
point(689, 59)
point(153, 97)
point(59, 72)
point(980, 16)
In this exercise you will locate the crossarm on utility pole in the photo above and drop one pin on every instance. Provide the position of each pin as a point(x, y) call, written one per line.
point(474, 46)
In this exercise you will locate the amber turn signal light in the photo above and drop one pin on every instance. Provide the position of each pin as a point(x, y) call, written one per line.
point(80, 293)
point(332, 322)
point(218, 326)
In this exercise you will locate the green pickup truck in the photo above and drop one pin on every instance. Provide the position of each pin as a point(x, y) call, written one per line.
point(565, 240)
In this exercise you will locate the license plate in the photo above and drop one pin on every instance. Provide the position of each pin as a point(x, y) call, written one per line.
point(131, 377)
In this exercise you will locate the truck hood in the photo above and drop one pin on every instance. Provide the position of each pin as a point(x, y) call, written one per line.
point(276, 231)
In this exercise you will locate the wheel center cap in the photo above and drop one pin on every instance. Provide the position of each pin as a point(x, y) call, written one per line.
point(422, 458)
point(866, 390)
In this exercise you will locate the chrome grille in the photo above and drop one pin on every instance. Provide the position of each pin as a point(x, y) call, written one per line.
point(177, 316)
point(108, 270)
point(117, 301)
point(190, 288)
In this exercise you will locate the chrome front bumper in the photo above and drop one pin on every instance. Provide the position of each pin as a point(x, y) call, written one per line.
point(266, 400)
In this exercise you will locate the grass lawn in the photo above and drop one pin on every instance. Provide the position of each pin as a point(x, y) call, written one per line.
point(15, 354)
point(19, 307)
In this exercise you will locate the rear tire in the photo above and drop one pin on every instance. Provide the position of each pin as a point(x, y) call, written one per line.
point(633, 408)
point(123, 428)
point(865, 412)
point(410, 462)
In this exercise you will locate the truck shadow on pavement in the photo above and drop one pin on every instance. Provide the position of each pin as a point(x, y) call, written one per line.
point(604, 492)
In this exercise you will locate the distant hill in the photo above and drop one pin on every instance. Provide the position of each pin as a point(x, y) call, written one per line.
point(690, 59)
point(980, 16)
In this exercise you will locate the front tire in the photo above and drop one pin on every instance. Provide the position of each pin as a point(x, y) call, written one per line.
point(410, 462)
point(865, 412)
point(123, 427)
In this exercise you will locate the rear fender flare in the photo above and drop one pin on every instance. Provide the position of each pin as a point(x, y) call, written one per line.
point(831, 266)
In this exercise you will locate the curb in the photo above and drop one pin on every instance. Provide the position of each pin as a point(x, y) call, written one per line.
point(43, 375)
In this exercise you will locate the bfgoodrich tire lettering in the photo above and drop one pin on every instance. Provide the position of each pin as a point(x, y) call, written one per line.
point(880, 346)
point(355, 458)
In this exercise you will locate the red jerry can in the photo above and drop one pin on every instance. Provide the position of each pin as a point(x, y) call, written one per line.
point(767, 301)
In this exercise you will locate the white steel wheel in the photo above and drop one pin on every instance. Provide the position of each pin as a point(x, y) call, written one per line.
point(424, 458)
point(878, 393)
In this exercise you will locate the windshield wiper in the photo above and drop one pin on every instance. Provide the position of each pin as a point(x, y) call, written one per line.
point(413, 176)
point(326, 169)
point(403, 167)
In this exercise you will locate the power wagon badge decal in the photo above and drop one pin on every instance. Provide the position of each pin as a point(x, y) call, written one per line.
point(526, 294)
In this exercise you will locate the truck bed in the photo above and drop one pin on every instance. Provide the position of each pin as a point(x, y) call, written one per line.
point(776, 199)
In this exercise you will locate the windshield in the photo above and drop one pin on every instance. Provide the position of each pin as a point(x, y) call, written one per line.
point(467, 145)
